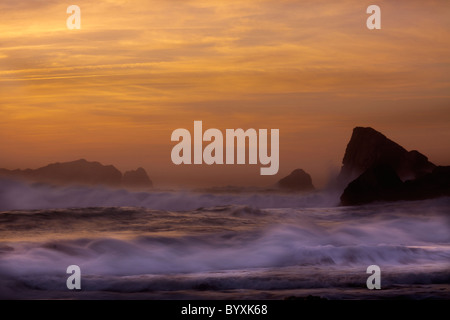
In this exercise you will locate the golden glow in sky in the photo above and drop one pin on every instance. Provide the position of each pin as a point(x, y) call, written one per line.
point(115, 90)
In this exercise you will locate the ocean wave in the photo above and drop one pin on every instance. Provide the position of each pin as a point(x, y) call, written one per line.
point(431, 282)
point(226, 242)
point(17, 195)
point(274, 248)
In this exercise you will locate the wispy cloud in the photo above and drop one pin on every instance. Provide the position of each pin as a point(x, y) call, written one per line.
point(143, 68)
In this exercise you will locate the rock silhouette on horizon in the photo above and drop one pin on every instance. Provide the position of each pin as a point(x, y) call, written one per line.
point(297, 180)
point(81, 172)
point(368, 148)
point(136, 179)
point(382, 170)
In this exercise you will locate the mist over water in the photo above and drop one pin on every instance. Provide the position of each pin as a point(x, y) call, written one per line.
point(196, 245)
point(16, 195)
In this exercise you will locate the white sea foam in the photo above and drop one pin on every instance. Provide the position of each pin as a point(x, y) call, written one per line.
point(214, 244)
point(20, 195)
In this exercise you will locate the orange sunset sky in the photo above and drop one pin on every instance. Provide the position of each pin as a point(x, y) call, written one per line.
point(137, 70)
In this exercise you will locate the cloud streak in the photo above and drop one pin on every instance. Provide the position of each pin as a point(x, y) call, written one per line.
point(134, 73)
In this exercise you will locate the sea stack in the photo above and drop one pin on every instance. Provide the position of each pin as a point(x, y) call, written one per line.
point(136, 179)
point(297, 180)
point(368, 148)
point(378, 183)
point(378, 169)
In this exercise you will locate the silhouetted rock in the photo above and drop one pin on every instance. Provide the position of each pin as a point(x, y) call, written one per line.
point(297, 180)
point(385, 171)
point(381, 183)
point(75, 172)
point(81, 172)
point(431, 185)
point(378, 183)
point(136, 178)
point(369, 148)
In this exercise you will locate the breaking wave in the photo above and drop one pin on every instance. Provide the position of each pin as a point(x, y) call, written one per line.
point(166, 245)
point(17, 195)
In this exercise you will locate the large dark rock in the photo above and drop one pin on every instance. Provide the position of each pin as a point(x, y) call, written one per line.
point(381, 183)
point(381, 170)
point(378, 183)
point(297, 180)
point(431, 185)
point(136, 179)
point(369, 148)
point(81, 172)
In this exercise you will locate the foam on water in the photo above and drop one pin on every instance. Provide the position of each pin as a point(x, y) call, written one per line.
point(217, 245)
point(20, 195)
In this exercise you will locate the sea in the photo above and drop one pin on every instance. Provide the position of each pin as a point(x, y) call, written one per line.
point(210, 244)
